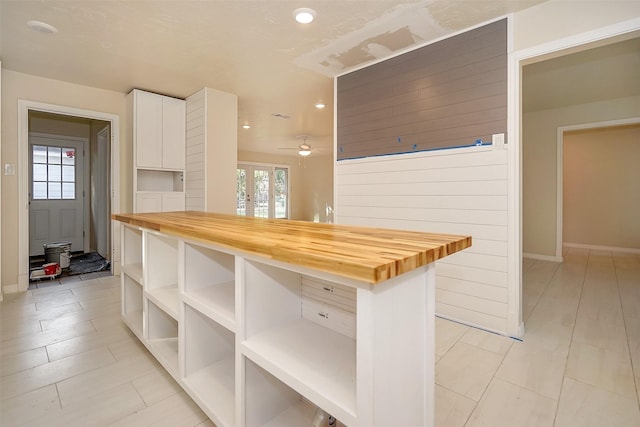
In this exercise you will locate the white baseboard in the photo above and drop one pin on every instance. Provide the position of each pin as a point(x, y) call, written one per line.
point(541, 257)
point(602, 248)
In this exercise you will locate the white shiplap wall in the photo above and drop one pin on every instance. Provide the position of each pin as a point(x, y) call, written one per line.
point(456, 191)
point(196, 152)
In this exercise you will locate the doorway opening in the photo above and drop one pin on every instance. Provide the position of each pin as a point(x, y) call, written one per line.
point(86, 144)
point(69, 203)
point(563, 87)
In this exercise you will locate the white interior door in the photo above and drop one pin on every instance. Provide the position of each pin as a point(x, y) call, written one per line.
point(56, 192)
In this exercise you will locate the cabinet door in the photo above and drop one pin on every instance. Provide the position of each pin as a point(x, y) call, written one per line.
point(148, 129)
point(172, 202)
point(173, 133)
point(148, 202)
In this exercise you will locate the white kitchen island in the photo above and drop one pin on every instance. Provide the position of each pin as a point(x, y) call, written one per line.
point(261, 321)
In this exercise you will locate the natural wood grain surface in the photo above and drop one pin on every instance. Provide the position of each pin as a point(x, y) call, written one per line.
point(370, 255)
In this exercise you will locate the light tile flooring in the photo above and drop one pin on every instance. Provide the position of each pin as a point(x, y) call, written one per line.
point(67, 360)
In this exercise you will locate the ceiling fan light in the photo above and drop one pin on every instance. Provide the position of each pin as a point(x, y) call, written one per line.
point(304, 153)
point(304, 15)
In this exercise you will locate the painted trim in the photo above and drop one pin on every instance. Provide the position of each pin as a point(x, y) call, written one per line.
point(560, 169)
point(602, 248)
point(23, 181)
point(540, 257)
point(515, 325)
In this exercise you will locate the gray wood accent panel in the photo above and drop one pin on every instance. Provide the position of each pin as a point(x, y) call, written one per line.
point(446, 94)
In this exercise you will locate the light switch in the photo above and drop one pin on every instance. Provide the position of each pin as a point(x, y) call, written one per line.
point(9, 169)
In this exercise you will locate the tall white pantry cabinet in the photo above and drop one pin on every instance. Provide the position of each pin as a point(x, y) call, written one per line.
point(157, 130)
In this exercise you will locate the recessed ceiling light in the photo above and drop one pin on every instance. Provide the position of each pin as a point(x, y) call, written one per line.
point(320, 105)
point(42, 27)
point(246, 126)
point(304, 15)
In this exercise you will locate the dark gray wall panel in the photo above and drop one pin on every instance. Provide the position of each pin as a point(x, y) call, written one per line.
point(446, 94)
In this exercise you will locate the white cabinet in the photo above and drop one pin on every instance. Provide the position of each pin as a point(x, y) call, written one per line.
point(257, 342)
point(147, 123)
point(148, 202)
point(158, 133)
point(159, 202)
point(159, 129)
point(173, 133)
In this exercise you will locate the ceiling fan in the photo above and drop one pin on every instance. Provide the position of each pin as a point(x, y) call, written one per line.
point(303, 149)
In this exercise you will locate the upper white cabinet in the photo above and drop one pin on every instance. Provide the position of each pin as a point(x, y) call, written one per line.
point(157, 130)
point(147, 123)
point(173, 133)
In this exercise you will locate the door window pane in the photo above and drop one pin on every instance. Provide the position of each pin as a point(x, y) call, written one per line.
point(39, 172)
point(55, 155)
point(68, 173)
point(68, 190)
point(55, 190)
point(241, 192)
point(39, 154)
point(53, 172)
point(39, 191)
point(281, 187)
point(68, 156)
point(261, 193)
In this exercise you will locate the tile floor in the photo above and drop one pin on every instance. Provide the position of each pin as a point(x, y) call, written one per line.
point(67, 360)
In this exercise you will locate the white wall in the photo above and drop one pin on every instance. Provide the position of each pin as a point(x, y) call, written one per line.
point(457, 191)
point(539, 156)
point(317, 189)
point(17, 86)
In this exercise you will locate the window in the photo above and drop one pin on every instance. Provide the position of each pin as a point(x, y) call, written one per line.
point(262, 191)
point(53, 173)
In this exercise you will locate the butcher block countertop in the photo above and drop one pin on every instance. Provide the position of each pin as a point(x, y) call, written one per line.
point(369, 255)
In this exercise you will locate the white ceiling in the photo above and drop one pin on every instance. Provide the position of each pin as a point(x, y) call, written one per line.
point(251, 48)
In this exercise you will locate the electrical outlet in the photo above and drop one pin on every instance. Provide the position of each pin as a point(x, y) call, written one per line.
point(497, 140)
point(9, 169)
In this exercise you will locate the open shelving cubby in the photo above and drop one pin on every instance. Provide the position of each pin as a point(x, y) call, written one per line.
point(132, 305)
point(209, 366)
point(210, 283)
point(132, 253)
point(161, 282)
point(271, 403)
point(162, 337)
point(160, 180)
point(316, 361)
